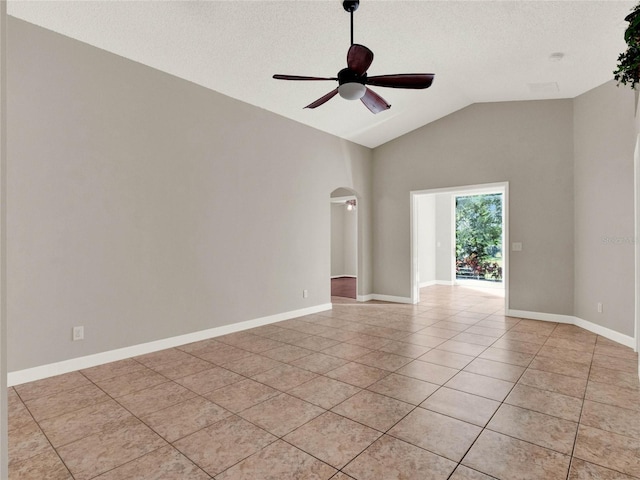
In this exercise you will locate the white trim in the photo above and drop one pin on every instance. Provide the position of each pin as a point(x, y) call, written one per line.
point(436, 282)
point(618, 337)
point(625, 340)
point(414, 273)
point(4, 453)
point(497, 187)
point(343, 276)
point(481, 189)
point(636, 226)
point(453, 239)
point(343, 199)
point(390, 298)
point(73, 364)
point(545, 317)
point(383, 298)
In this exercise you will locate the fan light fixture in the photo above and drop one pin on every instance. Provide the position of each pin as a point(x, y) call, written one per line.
point(353, 80)
point(351, 205)
point(352, 90)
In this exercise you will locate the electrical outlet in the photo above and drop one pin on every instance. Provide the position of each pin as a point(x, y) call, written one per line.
point(600, 309)
point(305, 293)
point(78, 333)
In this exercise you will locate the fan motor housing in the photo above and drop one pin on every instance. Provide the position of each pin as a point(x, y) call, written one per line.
point(349, 76)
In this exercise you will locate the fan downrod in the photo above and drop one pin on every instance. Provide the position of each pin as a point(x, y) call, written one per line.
point(351, 5)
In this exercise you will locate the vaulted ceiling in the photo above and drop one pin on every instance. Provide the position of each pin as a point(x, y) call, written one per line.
point(480, 51)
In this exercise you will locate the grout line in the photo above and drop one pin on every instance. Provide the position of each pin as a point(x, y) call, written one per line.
point(43, 433)
point(575, 440)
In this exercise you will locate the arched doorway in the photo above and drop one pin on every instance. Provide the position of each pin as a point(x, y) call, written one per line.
point(344, 245)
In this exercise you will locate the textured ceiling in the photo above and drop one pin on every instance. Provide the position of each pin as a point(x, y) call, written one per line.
point(480, 51)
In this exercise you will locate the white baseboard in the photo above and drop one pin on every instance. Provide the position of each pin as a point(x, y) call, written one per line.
point(435, 282)
point(625, 340)
point(383, 298)
point(390, 298)
point(73, 364)
point(36, 373)
point(618, 337)
point(547, 317)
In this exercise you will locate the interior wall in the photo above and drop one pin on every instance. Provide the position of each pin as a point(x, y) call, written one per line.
point(604, 135)
point(427, 228)
point(528, 144)
point(350, 238)
point(142, 206)
point(444, 241)
point(337, 239)
point(344, 237)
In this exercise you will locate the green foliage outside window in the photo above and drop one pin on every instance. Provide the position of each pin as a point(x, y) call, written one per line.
point(479, 236)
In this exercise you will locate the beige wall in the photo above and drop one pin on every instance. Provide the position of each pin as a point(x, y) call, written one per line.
point(434, 238)
point(350, 240)
point(604, 207)
point(529, 145)
point(337, 239)
point(445, 252)
point(344, 259)
point(427, 231)
point(143, 206)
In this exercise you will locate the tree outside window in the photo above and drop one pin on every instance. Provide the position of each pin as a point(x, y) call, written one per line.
point(479, 237)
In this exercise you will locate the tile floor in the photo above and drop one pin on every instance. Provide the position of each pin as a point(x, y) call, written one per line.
point(447, 389)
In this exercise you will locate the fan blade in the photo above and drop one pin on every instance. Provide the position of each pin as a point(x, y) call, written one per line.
point(359, 58)
point(299, 77)
point(402, 80)
point(324, 99)
point(374, 102)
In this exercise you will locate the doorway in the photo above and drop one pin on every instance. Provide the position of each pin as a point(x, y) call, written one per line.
point(433, 239)
point(479, 228)
point(344, 246)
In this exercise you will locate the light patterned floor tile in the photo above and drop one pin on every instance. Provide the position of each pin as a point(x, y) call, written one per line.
point(278, 461)
point(391, 458)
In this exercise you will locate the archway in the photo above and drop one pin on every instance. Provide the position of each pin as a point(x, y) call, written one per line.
point(344, 245)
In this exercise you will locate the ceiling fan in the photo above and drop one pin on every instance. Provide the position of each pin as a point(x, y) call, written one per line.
point(353, 80)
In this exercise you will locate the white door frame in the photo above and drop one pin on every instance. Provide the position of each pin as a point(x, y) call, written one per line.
point(636, 187)
point(502, 187)
point(4, 452)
